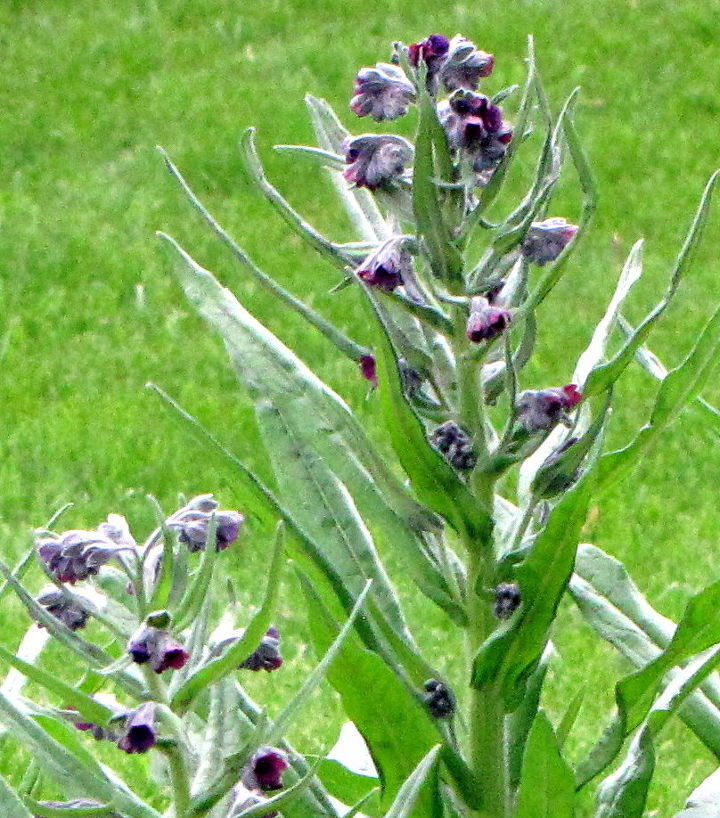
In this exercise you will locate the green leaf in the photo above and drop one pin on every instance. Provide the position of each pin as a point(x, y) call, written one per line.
point(547, 786)
point(10, 804)
point(681, 386)
point(393, 722)
point(214, 669)
point(347, 786)
point(78, 808)
point(404, 805)
point(510, 653)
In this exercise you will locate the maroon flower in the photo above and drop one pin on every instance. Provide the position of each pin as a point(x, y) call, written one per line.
point(475, 126)
point(65, 608)
point(139, 735)
point(433, 52)
point(193, 524)
point(545, 240)
point(156, 646)
point(541, 410)
point(465, 65)
point(267, 655)
point(382, 92)
point(368, 368)
point(375, 160)
point(76, 554)
point(386, 267)
point(486, 322)
point(264, 772)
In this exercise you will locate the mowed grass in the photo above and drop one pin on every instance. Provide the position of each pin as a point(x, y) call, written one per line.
point(90, 310)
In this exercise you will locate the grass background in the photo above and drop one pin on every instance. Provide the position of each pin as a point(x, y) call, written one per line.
point(90, 311)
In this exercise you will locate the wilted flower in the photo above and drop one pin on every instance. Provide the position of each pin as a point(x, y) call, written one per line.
point(540, 410)
point(193, 522)
point(267, 655)
point(387, 266)
point(507, 600)
point(382, 92)
point(545, 240)
point(375, 160)
point(156, 646)
point(465, 65)
point(475, 126)
point(76, 554)
point(486, 322)
point(454, 443)
point(439, 699)
point(63, 607)
point(433, 52)
point(139, 735)
point(264, 772)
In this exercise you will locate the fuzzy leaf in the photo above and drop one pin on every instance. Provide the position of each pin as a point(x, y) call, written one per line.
point(10, 804)
point(404, 805)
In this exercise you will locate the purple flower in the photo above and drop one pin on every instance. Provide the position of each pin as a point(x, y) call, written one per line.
point(382, 92)
point(387, 267)
point(368, 368)
point(439, 699)
point(541, 410)
point(139, 735)
point(545, 240)
point(264, 772)
point(485, 322)
point(76, 554)
point(507, 600)
point(454, 443)
point(193, 521)
point(375, 160)
point(433, 51)
point(267, 655)
point(63, 607)
point(475, 127)
point(156, 646)
point(465, 65)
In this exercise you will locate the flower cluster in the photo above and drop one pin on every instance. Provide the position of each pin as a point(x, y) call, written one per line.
point(193, 521)
point(76, 554)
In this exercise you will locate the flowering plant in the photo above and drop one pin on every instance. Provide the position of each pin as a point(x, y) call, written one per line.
point(487, 517)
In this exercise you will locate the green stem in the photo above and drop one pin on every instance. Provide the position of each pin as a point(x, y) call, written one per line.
point(179, 780)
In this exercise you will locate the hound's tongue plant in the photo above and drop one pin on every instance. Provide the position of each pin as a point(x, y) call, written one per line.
point(481, 483)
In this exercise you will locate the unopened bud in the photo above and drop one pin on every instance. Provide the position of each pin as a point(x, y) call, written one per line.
point(541, 410)
point(439, 699)
point(545, 240)
point(368, 368)
point(63, 607)
point(486, 322)
point(507, 600)
point(265, 770)
point(267, 655)
point(454, 443)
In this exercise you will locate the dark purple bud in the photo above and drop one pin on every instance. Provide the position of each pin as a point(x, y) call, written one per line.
point(411, 379)
point(77, 554)
point(68, 610)
point(264, 772)
point(156, 646)
point(387, 267)
point(454, 443)
point(375, 160)
point(485, 322)
point(433, 51)
point(439, 699)
point(382, 92)
point(541, 410)
point(552, 478)
point(267, 655)
point(545, 240)
point(465, 65)
point(368, 368)
point(507, 600)
point(139, 735)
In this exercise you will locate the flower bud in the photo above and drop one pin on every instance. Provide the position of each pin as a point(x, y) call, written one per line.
point(433, 51)
point(139, 735)
point(375, 160)
point(264, 772)
point(454, 443)
point(476, 127)
point(541, 410)
point(410, 378)
point(545, 240)
point(368, 368)
point(439, 699)
point(267, 655)
point(387, 267)
point(553, 477)
point(485, 322)
point(465, 65)
point(382, 92)
point(63, 607)
point(76, 554)
point(156, 646)
point(507, 600)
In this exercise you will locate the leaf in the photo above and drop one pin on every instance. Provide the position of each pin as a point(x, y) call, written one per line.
point(510, 653)
point(547, 786)
point(10, 804)
point(408, 796)
point(395, 726)
point(681, 386)
point(29, 650)
point(705, 799)
point(78, 808)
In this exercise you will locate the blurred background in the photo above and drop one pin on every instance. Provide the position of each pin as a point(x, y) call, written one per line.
point(90, 309)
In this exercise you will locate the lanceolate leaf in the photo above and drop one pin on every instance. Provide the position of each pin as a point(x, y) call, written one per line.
point(10, 804)
point(547, 787)
point(404, 805)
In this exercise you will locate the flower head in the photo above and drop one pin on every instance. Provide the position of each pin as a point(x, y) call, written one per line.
point(193, 522)
point(382, 92)
point(545, 240)
point(267, 655)
point(156, 646)
point(485, 321)
point(454, 443)
point(63, 607)
point(439, 699)
point(433, 51)
point(76, 554)
point(507, 600)
point(465, 65)
point(264, 772)
point(541, 410)
point(387, 267)
point(139, 735)
point(475, 126)
point(375, 160)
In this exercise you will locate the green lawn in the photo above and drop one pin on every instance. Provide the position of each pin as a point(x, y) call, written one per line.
point(90, 310)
